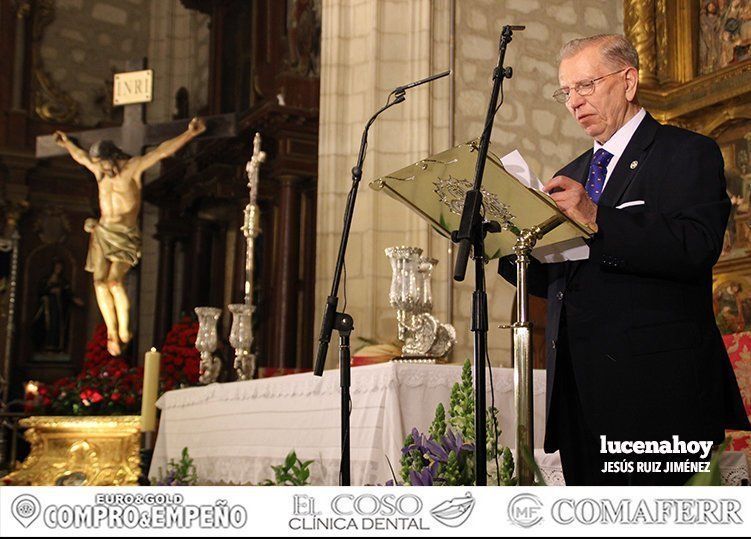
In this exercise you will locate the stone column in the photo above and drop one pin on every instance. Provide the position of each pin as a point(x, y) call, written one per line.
point(368, 48)
point(179, 55)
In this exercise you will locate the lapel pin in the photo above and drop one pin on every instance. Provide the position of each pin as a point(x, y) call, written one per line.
point(634, 164)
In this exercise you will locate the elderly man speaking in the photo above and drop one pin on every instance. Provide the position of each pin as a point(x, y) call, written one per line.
point(639, 382)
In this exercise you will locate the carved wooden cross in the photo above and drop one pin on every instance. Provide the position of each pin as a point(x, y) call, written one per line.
point(134, 134)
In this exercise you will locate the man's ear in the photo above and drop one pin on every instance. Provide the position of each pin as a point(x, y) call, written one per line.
point(632, 83)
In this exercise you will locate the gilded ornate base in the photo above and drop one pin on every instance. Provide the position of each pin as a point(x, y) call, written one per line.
point(92, 451)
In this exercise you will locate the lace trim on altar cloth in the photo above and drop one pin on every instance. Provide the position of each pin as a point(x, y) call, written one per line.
point(552, 475)
point(365, 379)
point(244, 471)
point(734, 476)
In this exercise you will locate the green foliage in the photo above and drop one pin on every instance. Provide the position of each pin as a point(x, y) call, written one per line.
point(438, 427)
point(453, 474)
point(711, 478)
point(446, 455)
point(179, 473)
point(406, 459)
point(506, 473)
point(293, 472)
point(462, 404)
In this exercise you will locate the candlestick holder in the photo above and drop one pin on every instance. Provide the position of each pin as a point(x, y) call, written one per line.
point(206, 343)
point(411, 295)
point(241, 338)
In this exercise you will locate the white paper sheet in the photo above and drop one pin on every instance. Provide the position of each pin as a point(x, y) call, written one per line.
point(573, 249)
point(515, 165)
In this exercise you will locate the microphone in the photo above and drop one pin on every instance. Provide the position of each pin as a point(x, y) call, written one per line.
point(402, 89)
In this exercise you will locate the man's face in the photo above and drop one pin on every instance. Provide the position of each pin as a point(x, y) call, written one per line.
point(602, 112)
point(109, 167)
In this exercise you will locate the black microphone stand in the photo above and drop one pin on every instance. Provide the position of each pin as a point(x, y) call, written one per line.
point(342, 322)
point(472, 230)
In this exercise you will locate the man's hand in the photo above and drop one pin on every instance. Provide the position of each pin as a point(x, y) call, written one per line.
point(572, 200)
point(196, 126)
point(61, 138)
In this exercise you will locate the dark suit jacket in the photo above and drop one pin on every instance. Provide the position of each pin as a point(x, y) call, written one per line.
point(648, 359)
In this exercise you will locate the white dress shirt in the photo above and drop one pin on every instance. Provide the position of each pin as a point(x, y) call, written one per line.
point(618, 142)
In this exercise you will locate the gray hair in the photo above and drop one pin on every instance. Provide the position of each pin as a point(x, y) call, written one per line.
point(615, 49)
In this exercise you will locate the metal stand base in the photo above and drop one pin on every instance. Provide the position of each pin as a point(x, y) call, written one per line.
point(522, 336)
point(344, 324)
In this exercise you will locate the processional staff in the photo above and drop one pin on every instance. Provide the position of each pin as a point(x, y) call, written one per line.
point(250, 228)
point(242, 335)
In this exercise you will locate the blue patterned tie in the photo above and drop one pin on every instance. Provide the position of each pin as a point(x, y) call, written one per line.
point(597, 172)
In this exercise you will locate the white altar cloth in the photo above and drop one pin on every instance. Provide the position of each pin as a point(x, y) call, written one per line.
point(236, 431)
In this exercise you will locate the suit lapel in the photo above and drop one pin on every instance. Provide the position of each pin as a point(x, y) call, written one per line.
point(623, 174)
point(581, 168)
point(630, 162)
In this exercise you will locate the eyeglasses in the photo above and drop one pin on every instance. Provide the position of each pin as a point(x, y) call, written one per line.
point(583, 87)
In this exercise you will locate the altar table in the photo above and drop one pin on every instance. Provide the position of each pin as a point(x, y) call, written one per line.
point(236, 431)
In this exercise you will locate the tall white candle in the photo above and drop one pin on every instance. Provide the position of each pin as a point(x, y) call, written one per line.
point(150, 390)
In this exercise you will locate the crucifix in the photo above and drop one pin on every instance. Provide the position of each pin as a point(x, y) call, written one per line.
point(245, 360)
point(115, 158)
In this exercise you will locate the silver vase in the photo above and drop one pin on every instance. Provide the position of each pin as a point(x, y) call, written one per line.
point(206, 343)
point(241, 338)
point(411, 295)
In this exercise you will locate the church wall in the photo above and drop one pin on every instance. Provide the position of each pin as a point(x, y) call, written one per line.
point(85, 41)
point(529, 120)
point(369, 47)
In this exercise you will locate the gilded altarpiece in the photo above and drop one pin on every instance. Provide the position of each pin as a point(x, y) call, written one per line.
point(695, 72)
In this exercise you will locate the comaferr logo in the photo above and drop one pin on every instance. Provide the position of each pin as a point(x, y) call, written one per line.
point(661, 511)
point(525, 510)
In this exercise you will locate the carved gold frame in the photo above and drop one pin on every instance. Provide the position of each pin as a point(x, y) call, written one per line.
point(665, 34)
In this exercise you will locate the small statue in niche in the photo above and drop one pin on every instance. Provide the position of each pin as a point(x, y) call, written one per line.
point(51, 319)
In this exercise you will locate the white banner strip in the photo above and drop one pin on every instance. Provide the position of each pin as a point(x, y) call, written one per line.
point(376, 511)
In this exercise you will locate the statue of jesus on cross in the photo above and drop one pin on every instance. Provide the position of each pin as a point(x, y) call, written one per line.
point(115, 244)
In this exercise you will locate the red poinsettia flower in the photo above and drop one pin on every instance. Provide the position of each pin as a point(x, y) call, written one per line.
point(107, 384)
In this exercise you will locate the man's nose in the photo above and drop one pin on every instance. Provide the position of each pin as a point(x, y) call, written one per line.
point(575, 100)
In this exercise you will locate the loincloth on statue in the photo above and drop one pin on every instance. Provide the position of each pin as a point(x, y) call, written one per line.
point(116, 243)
